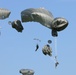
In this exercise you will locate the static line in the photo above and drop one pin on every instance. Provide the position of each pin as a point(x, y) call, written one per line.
point(53, 58)
point(0, 31)
point(55, 40)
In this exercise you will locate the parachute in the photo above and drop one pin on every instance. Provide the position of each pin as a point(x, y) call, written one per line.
point(17, 25)
point(58, 24)
point(37, 39)
point(26, 72)
point(40, 15)
point(45, 18)
point(4, 13)
point(47, 50)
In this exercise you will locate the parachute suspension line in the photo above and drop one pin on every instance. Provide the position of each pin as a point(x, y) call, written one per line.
point(55, 48)
point(0, 31)
point(9, 22)
point(55, 39)
point(53, 59)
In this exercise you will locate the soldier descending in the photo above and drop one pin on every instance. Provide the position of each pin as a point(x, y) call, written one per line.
point(37, 47)
point(57, 63)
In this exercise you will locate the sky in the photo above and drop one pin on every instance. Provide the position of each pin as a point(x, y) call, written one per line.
point(17, 50)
